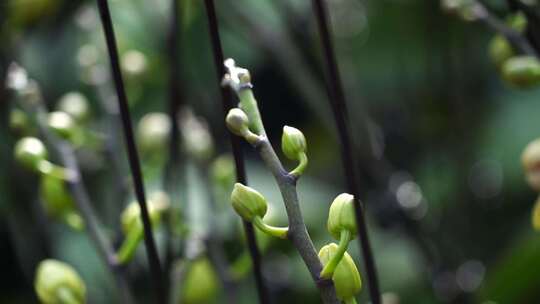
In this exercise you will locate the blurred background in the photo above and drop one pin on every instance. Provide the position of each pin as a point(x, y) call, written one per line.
point(438, 141)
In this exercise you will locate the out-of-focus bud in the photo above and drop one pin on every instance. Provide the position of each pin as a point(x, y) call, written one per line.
point(237, 122)
point(201, 283)
point(58, 202)
point(153, 132)
point(341, 216)
point(134, 63)
point(522, 71)
point(62, 124)
point(158, 203)
point(530, 159)
point(30, 152)
point(346, 276)
point(500, 49)
point(536, 215)
point(223, 172)
point(57, 282)
point(197, 139)
point(465, 9)
point(247, 202)
point(76, 105)
point(293, 142)
point(18, 122)
point(390, 298)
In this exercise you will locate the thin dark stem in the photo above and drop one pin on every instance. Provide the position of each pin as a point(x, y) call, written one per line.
point(226, 98)
point(171, 174)
point(133, 157)
point(339, 108)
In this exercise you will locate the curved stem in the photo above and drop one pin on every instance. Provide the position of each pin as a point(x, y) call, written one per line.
point(45, 167)
point(330, 267)
point(279, 232)
point(130, 244)
point(299, 170)
point(66, 296)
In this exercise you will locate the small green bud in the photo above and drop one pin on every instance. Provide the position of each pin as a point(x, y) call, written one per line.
point(153, 132)
point(293, 142)
point(237, 122)
point(522, 71)
point(223, 172)
point(500, 50)
point(158, 203)
point(30, 152)
point(536, 215)
point(134, 63)
point(76, 105)
point(247, 202)
point(530, 159)
point(197, 138)
point(346, 276)
point(18, 122)
point(201, 283)
point(62, 124)
point(58, 283)
point(341, 216)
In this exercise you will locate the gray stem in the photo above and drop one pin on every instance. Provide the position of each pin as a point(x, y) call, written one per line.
point(298, 233)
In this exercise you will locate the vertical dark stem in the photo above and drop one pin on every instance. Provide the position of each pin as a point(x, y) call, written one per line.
point(133, 157)
point(339, 108)
point(226, 98)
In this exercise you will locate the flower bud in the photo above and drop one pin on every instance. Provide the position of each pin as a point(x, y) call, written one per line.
point(223, 172)
point(293, 142)
point(158, 203)
point(18, 122)
point(197, 138)
point(536, 215)
point(57, 282)
point(500, 50)
point(237, 121)
point(522, 71)
point(30, 152)
point(341, 216)
point(134, 63)
point(76, 105)
point(62, 124)
point(346, 276)
point(201, 283)
point(153, 132)
point(247, 202)
point(530, 159)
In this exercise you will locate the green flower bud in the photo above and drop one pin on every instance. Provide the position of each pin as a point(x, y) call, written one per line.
point(223, 172)
point(158, 203)
point(76, 105)
point(346, 276)
point(197, 139)
point(341, 216)
point(247, 202)
point(237, 122)
point(153, 132)
point(30, 152)
point(58, 202)
point(18, 122)
point(293, 142)
point(522, 71)
point(530, 159)
point(500, 50)
point(62, 124)
point(201, 283)
point(58, 283)
point(536, 215)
